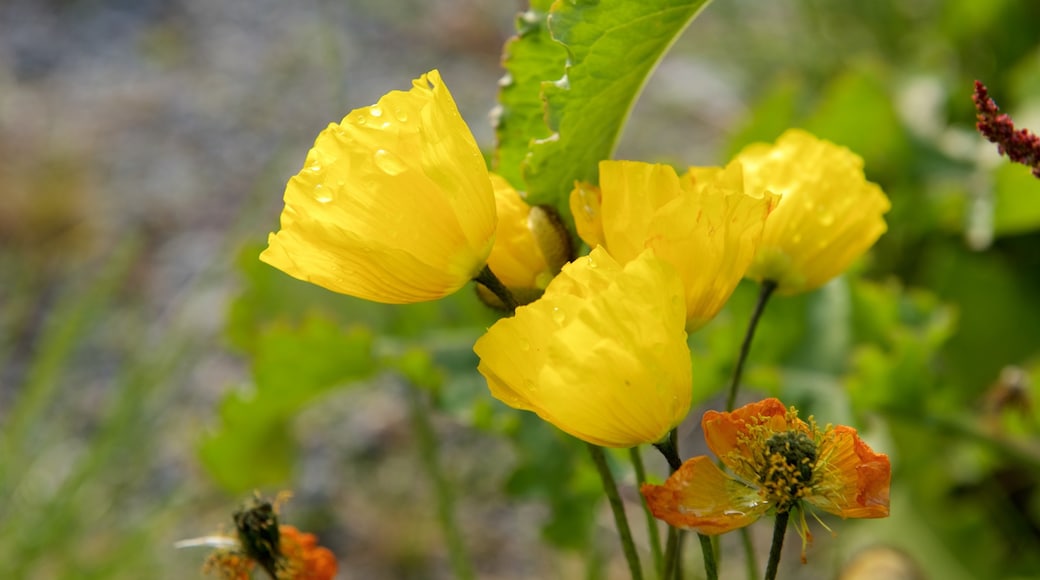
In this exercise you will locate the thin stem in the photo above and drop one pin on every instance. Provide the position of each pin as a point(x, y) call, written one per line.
point(624, 533)
point(749, 553)
point(768, 286)
point(779, 529)
point(673, 554)
point(430, 456)
point(651, 523)
point(711, 569)
point(492, 283)
point(669, 447)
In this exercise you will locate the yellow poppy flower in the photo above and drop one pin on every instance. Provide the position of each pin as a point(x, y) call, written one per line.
point(602, 355)
point(531, 245)
point(703, 224)
point(394, 204)
point(778, 462)
point(828, 215)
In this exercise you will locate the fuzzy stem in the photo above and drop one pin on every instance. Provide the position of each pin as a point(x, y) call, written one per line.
point(624, 533)
point(779, 529)
point(768, 286)
point(492, 283)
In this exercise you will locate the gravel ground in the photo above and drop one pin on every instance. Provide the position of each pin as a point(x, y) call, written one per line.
point(177, 123)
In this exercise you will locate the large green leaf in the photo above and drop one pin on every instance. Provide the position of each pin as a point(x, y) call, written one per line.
point(530, 58)
point(293, 365)
point(612, 47)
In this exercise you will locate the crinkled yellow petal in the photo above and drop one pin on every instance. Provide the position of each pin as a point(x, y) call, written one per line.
point(854, 479)
point(699, 496)
point(586, 208)
point(828, 215)
point(516, 257)
point(703, 224)
point(602, 355)
point(393, 204)
point(631, 194)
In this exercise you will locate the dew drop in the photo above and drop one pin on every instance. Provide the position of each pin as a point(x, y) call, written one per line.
point(388, 162)
point(375, 111)
point(401, 115)
point(506, 80)
point(558, 315)
point(322, 194)
point(733, 513)
point(361, 121)
point(314, 168)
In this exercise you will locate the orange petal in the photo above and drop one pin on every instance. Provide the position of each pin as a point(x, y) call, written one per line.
point(855, 478)
point(727, 433)
point(699, 496)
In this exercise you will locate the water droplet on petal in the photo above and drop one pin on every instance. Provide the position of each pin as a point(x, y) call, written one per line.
point(388, 162)
point(558, 315)
point(375, 111)
point(733, 513)
point(315, 168)
point(401, 115)
point(322, 194)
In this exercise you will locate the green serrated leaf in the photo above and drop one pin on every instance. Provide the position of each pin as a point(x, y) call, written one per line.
point(613, 46)
point(293, 365)
point(530, 57)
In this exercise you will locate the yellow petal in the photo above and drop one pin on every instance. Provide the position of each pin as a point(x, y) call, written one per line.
point(394, 204)
point(602, 355)
point(828, 215)
point(699, 496)
point(516, 258)
point(703, 224)
point(586, 208)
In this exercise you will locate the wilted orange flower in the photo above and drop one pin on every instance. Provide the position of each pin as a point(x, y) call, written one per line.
point(301, 558)
point(393, 204)
point(778, 462)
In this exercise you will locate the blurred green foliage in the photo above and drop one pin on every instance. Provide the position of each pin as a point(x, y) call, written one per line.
point(919, 348)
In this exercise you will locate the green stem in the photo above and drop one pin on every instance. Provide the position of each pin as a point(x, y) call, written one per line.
point(779, 529)
point(430, 457)
point(768, 286)
point(673, 554)
point(711, 568)
point(624, 533)
point(749, 553)
point(651, 523)
point(492, 283)
point(669, 447)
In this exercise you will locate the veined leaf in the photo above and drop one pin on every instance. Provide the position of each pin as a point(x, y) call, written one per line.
point(612, 47)
point(530, 58)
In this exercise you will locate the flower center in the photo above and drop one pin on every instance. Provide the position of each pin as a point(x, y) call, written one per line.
point(788, 470)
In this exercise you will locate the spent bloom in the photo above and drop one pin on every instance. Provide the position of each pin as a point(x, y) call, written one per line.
point(703, 224)
point(602, 355)
point(828, 214)
point(394, 203)
point(281, 551)
point(778, 462)
point(300, 558)
point(531, 245)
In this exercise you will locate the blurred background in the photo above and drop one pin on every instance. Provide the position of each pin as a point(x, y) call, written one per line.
point(153, 373)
